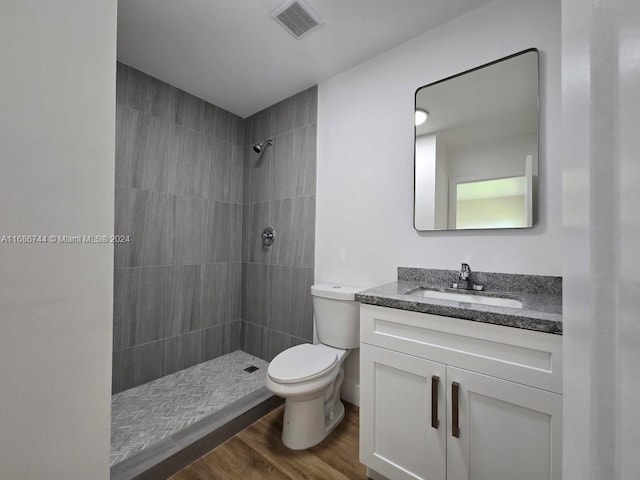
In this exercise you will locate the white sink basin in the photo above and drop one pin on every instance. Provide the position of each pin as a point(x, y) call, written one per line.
point(469, 298)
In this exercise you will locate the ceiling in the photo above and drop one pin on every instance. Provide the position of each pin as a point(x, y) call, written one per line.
point(234, 55)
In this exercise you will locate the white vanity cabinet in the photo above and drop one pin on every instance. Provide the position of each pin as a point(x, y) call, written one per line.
point(444, 398)
point(396, 435)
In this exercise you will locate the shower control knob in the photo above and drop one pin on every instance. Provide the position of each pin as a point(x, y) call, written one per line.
point(268, 236)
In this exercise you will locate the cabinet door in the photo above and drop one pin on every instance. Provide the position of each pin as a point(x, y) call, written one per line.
point(507, 431)
point(401, 435)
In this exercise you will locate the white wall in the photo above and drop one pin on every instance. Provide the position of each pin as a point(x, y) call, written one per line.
point(57, 115)
point(365, 153)
point(500, 158)
point(442, 186)
point(432, 183)
point(425, 173)
point(364, 224)
point(601, 121)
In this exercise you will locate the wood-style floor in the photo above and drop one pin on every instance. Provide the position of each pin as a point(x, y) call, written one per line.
point(257, 453)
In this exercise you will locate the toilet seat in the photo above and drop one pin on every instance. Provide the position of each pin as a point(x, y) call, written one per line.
point(303, 363)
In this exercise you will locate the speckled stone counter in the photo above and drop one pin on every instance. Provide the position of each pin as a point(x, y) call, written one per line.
point(541, 298)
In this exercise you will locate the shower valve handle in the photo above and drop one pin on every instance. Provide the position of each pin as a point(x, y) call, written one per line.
point(268, 236)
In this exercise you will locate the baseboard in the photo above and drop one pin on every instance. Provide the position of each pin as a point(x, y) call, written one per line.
point(350, 392)
point(373, 475)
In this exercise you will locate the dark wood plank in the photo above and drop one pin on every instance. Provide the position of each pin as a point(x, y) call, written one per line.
point(178, 461)
point(234, 459)
point(264, 438)
point(257, 452)
point(341, 448)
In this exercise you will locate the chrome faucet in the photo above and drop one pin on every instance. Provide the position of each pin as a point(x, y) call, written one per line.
point(464, 279)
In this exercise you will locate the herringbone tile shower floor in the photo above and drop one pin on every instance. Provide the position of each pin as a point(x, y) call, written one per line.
point(145, 415)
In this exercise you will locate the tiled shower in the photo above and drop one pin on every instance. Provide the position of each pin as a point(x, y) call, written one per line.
point(194, 282)
point(279, 190)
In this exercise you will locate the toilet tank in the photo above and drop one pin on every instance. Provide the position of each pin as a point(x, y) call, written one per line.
point(337, 315)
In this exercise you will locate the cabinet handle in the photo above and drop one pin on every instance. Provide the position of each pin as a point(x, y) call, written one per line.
point(455, 425)
point(435, 381)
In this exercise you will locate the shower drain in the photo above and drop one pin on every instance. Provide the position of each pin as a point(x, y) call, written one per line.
point(251, 369)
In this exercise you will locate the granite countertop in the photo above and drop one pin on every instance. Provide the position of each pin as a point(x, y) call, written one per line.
point(541, 310)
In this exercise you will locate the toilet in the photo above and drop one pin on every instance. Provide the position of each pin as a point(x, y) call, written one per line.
point(309, 377)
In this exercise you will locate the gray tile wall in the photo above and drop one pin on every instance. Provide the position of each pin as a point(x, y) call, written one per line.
point(179, 195)
point(279, 190)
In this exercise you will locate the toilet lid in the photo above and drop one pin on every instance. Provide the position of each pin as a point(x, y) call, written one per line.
point(302, 362)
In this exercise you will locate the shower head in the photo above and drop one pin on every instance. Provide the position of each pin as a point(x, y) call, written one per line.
point(258, 147)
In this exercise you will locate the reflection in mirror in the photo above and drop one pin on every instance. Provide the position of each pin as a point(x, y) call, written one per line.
point(476, 154)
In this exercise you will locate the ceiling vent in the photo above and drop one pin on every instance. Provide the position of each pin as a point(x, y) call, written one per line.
point(296, 17)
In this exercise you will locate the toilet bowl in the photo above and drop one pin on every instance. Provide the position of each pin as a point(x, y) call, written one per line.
point(309, 377)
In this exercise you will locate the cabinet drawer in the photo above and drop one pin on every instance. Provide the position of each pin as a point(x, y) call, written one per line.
point(522, 356)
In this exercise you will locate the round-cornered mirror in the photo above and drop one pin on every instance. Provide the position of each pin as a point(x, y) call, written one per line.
point(476, 152)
